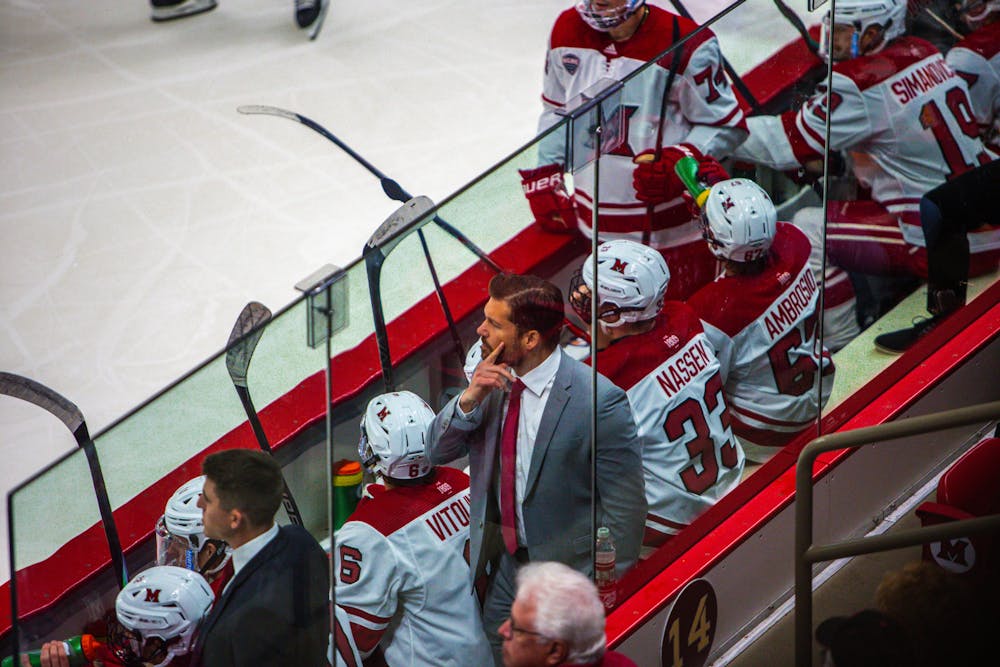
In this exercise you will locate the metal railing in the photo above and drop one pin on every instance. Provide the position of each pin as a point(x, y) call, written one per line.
point(806, 553)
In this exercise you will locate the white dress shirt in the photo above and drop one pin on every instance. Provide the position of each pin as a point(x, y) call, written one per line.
point(243, 554)
point(537, 387)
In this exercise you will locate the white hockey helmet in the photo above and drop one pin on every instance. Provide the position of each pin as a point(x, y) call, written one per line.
point(611, 17)
point(393, 435)
point(738, 220)
point(180, 532)
point(889, 15)
point(974, 12)
point(158, 613)
point(631, 281)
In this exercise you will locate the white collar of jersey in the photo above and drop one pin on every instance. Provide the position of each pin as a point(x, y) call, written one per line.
point(541, 375)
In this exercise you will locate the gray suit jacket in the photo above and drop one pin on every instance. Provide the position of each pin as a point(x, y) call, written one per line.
point(557, 501)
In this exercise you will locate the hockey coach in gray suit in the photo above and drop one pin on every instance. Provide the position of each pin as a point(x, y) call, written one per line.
point(524, 422)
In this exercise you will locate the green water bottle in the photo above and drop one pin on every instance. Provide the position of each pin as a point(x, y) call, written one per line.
point(687, 170)
point(80, 650)
point(347, 476)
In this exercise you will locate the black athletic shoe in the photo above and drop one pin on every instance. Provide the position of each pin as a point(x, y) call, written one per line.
point(168, 10)
point(897, 342)
point(307, 11)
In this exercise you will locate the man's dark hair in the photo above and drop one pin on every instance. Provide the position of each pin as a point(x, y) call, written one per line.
point(247, 480)
point(534, 303)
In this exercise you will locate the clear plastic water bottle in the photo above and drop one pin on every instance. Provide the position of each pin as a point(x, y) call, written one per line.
point(605, 567)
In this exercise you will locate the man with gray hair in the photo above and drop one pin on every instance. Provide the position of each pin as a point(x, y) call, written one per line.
point(556, 619)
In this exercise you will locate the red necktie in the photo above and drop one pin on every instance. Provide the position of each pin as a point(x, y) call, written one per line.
point(508, 469)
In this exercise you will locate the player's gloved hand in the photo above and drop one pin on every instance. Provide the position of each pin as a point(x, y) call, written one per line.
point(710, 171)
point(654, 180)
point(550, 203)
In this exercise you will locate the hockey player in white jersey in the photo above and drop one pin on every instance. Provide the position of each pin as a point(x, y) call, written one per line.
point(903, 118)
point(400, 561)
point(761, 317)
point(611, 39)
point(976, 58)
point(658, 353)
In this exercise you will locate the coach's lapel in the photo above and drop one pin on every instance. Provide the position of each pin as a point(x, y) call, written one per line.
point(554, 407)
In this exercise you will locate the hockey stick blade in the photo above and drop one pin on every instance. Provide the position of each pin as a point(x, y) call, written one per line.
point(59, 406)
point(243, 340)
point(26, 389)
point(391, 188)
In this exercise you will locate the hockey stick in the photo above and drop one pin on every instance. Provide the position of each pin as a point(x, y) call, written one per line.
point(944, 24)
point(394, 191)
point(71, 417)
point(242, 343)
point(675, 58)
point(736, 79)
point(799, 26)
point(390, 187)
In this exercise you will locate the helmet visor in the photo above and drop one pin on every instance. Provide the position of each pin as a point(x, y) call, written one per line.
point(173, 549)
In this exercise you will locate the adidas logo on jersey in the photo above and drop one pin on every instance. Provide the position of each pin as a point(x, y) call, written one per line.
point(611, 50)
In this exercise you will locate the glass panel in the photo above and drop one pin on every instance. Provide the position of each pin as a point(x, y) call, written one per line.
point(493, 214)
point(692, 371)
point(55, 532)
point(906, 259)
point(151, 452)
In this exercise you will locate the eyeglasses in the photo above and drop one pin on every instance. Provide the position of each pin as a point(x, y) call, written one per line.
point(514, 628)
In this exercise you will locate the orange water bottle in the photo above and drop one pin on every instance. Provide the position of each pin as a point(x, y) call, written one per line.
point(347, 478)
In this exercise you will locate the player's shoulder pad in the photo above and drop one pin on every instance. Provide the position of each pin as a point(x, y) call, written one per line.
point(663, 21)
point(682, 318)
point(570, 31)
point(985, 41)
point(393, 509)
point(791, 242)
point(661, 31)
point(868, 71)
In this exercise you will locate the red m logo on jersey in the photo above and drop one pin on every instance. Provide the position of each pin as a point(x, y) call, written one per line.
point(152, 596)
point(383, 413)
point(619, 266)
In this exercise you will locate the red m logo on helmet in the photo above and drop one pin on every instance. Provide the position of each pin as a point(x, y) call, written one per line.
point(152, 596)
point(953, 550)
point(619, 266)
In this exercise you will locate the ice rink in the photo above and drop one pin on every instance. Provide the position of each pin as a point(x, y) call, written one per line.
point(139, 211)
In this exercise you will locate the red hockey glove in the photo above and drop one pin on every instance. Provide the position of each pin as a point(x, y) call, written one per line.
point(550, 203)
point(711, 172)
point(654, 180)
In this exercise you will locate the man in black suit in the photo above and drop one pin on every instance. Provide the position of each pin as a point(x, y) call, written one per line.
point(276, 609)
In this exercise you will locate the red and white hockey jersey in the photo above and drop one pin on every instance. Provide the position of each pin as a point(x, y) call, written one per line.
point(905, 118)
point(701, 110)
point(689, 455)
point(977, 60)
point(402, 576)
point(763, 328)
